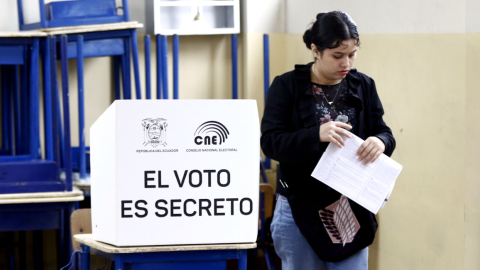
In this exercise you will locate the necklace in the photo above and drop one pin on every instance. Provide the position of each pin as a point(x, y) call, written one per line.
point(323, 94)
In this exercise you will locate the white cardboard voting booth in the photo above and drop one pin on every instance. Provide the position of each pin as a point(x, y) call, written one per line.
point(172, 172)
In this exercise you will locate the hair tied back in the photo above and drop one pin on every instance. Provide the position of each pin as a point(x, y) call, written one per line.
point(349, 18)
point(330, 29)
point(320, 15)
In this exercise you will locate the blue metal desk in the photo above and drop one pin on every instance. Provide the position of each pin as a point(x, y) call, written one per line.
point(185, 257)
point(116, 39)
point(22, 168)
point(40, 211)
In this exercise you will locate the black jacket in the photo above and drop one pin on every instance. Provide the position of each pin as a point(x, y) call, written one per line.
point(290, 131)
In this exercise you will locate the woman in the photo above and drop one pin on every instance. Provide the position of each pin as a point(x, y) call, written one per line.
point(306, 109)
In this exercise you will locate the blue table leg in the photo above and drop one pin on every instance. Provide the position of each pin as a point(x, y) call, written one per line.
point(147, 67)
point(117, 60)
point(234, 67)
point(66, 112)
point(24, 107)
point(175, 65)
point(6, 127)
point(58, 146)
point(64, 243)
point(61, 242)
point(12, 259)
point(34, 101)
point(127, 94)
point(159, 65)
point(22, 250)
point(85, 258)
point(266, 77)
point(136, 66)
point(16, 110)
point(81, 110)
point(164, 54)
point(242, 259)
point(119, 265)
point(47, 99)
point(37, 250)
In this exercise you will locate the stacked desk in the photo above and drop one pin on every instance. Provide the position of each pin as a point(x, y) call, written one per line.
point(118, 40)
point(40, 211)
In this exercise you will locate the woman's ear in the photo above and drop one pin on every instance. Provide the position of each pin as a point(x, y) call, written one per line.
point(315, 52)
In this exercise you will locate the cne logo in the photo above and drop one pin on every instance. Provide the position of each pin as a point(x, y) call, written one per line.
point(211, 132)
point(154, 131)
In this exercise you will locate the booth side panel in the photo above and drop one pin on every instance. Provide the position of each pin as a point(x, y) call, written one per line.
point(103, 176)
point(253, 162)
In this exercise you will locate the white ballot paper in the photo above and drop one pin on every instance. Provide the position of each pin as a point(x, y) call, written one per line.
point(368, 185)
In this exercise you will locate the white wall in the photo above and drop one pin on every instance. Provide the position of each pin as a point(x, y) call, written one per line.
point(472, 16)
point(8, 15)
point(380, 16)
point(265, 16)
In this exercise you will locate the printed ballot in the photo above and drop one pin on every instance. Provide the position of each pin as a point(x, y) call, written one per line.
point(368, 185)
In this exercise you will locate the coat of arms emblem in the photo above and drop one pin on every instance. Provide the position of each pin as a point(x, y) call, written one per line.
point(154, 131)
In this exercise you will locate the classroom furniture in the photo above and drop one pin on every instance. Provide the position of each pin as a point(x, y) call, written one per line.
point(266, 79)
point(21, 165)
point(39, 211)
point(198, 257)
point(8, 245)
point(118, 40)
point(36, 14)
point(199, 17)
point(162, 68)
point(80, 223)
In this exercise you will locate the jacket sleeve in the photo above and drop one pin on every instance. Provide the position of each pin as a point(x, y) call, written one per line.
point(379, 127)
point(279, 140)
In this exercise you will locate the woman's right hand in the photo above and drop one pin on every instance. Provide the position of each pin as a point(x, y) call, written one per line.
point(331, 131)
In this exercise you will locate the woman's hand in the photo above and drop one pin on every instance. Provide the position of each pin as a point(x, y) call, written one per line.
point(331, 131)
point(370, 150)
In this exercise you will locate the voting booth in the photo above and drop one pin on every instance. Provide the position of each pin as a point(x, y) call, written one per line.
point(173, 172)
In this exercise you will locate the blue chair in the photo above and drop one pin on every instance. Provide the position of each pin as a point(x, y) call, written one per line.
point(73, 13)
point(119, 44)
point(22, 168)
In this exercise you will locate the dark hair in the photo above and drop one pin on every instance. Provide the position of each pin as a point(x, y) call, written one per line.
point(330, 30)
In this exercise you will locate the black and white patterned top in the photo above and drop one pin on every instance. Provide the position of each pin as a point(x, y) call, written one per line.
point(340, 110)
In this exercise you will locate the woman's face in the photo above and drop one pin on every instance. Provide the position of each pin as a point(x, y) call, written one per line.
point(334, 64)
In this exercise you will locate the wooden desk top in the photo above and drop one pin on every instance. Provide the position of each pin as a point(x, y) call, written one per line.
point(91, 28)
point(87, 239)
point(82, 184)
point(42, 197)
point(23, 34)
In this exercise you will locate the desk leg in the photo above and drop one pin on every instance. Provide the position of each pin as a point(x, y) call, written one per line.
point(82, 158)
point(127, 94)
point(85, 259)
point(12, 259)
point(34, 100)
point(242, 259)
point(37, 250)
point(64, 242)
point(22, 243)
point(117, 60)
point(136, 67)
point(47, 98)
point(119, 265)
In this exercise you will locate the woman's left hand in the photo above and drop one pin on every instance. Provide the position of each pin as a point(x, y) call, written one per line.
point(370, 150)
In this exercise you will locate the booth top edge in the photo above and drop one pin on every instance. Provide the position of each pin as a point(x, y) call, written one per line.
point(181, 100)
